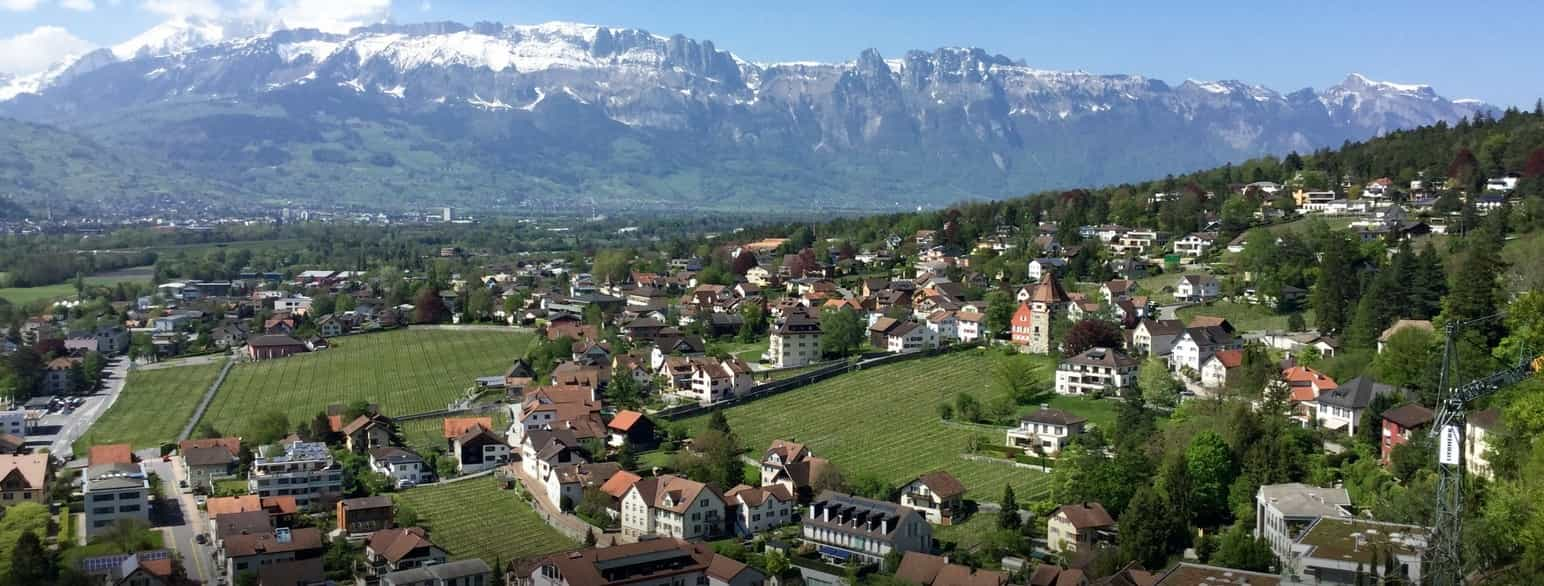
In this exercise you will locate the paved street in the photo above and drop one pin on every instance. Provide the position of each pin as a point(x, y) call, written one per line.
point(59, 431)
point(181, 521)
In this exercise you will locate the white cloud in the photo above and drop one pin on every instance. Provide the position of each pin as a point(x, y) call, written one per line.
point(18, 5)
point(36, 50)
point(78, 5)
point(182, 8)
point(332, 15)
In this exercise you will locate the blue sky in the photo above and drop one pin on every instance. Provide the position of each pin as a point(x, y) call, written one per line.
point(1463, 51)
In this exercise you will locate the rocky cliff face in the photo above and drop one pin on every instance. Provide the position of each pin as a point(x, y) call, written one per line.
point(925, 127)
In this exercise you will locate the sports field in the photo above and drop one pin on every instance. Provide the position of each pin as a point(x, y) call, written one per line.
point(884, 422)
point(153, 407)
point(403, 371)
point(478, 519)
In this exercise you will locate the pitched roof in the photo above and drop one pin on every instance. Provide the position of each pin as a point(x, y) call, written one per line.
point(362, 422)
point(208, 456)
point(1230, 358)
point(366, 502)
point(111, 454)
point(1048, 290)
point(942, 483)
point(1420, 324)
point(1356, 393)
point(1409, 415)
point(1053, 417)
point(651, 560)
point(754, 496)
point(302, 539)
point(226, 505)
point(1162, 327)
point(1089, 515)
point(453, 427)
point(273, 341)
point(619, 483)
point(32, 468)
point(1104, 357)
point(680, 492)
point(396, 544)
point(625, 420)
point(231, 444)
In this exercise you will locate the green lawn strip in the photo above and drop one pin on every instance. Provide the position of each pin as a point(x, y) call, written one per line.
point(884, 422)
point(148, 539)
point(478, 519)
point(1243, 316)
point(153, 407)
point(405, 371)
point(425, 435)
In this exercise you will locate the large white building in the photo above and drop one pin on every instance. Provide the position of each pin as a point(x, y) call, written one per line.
point(671, 506)
point(1284, 511)
point(795, 341)
point(1046, 431)
point(115, 492)
point(305, 470)
point(1103, 370)
point(14, 422)
point(847, 528)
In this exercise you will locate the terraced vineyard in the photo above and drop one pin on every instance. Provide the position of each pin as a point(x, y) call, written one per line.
point(478, 519)
point(884, 421)
point(153, 407)
point(404, 371)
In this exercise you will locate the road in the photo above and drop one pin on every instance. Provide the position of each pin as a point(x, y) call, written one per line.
point(191, 361)
point(179, 518)
point(61, 431)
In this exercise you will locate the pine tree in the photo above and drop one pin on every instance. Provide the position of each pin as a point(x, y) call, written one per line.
point(1008, 517)
point(1429, 285)
point(1335, 290)
point(30, 563)
point(1145, 529)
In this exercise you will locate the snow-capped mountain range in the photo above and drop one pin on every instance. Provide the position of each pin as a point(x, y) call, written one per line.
point(978, 124)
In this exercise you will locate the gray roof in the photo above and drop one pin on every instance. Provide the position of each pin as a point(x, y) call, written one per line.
point(1356, 393)
point(438, 572)
point(115, 476)
point(1298, 500)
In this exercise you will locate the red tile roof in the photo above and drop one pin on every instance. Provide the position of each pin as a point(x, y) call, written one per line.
point(455, 426)
point(111, 454)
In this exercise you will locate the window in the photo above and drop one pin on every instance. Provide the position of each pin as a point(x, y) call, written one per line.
point(128, 509)
point(102, 510)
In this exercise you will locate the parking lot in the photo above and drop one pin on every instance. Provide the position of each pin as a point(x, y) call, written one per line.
point(70, 417)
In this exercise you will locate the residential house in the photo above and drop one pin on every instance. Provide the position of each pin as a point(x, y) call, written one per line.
point(305, 470)
point(794, 341)
point(1096, 371)
point(902, 336)
point(1192, 574)
point(1478, 430)
point(544, 449)
point(367, 432)
point(1284, 511)
point(930, 570)
point(519, 375)
point(1341, 408)
point(651, 562)
point(114, 492)
point(24, 478)
point(394, 550)
point(1401, 325)
point(1196, 344)
point(142, 568)
point(571, 407)
point(1156, 337)
point(945, 326)
point(1078, 528)
point(672, 506)
point(14, 422)
point(59, 376)
point(716, 381)
point(1197, 288)
point(1399, 423)
point(298, 305)
point(1195, 244)
point(1139, 242)
point(1045, 431)
point(793, 466)
point(758, 509)
point(938, 495)
point(404, 468)
point(970, 326)
point(358, 516)
point(1305, 384)
point(633, 429)
point(851, 529)
point(1118, 289)
point(249, 552)
point(1216, 369)
point(268, 347)
point(205, 460)
point(565, 484)
point(478, 449)
point(1346, 551)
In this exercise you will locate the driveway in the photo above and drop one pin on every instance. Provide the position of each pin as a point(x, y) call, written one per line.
point(180, 520)
point(61, 431)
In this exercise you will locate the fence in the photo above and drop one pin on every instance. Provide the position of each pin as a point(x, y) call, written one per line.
point(869, 360)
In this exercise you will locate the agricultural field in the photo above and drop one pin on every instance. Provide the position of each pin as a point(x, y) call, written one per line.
point(26, 295)
point(479, 519)
point(425, 435)
point(153, 407)
point(884, 422)
point(403, 371)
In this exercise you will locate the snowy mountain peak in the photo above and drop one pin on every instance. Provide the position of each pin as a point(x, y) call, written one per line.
point(187, 33)
point(1357, 81)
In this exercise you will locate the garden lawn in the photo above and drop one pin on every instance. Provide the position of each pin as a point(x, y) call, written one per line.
point(1099, 412)
point(26, 295)
point(1243, 316)
point(884, 422)
point(477, 519)
point(403, 371)
point(153, 408)
point(1152, 286)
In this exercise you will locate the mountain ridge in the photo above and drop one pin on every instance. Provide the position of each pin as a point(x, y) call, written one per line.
point(645, 118)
